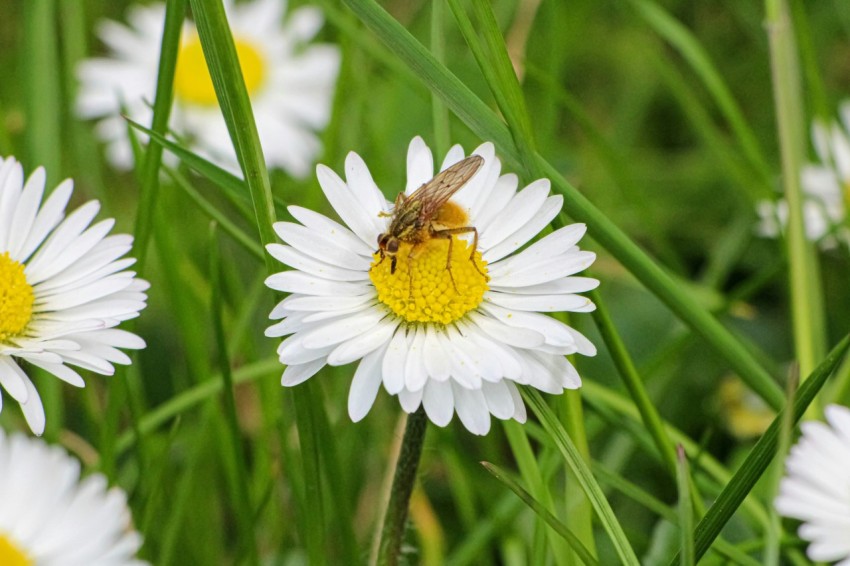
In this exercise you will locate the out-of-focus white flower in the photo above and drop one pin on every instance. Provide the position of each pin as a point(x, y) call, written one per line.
point(290, 83)
point(825, 188)
point(50, 518)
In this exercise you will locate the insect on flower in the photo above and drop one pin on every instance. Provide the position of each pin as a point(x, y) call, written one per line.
point(429, 213)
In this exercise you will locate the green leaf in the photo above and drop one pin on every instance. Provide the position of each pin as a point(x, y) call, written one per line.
point(542, 512)
point(583, 474)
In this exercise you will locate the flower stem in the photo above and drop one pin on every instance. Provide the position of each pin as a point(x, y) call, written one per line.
point(392, 533)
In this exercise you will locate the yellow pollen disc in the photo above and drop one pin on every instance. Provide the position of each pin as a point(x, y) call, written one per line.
point(16, 298)
point(421, 288)
point(192, 82)
point(11, 555)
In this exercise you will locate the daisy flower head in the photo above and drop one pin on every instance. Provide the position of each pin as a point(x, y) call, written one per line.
point(430, 294)
point(816, 487)
point(63, 289)
point(826, 190)
point(290, 82)
point(50, 517)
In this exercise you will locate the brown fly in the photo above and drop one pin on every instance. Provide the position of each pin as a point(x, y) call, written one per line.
point(429, 213)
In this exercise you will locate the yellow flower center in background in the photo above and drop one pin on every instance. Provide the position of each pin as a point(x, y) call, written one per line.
point(432, 297)
point(11, 555)
point(16, 298)
point(192, 81)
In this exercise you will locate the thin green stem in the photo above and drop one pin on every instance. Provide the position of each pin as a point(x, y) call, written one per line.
point(806, 299)
point(395, 519)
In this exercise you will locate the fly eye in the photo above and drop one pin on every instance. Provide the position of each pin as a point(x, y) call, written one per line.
point(392, 246)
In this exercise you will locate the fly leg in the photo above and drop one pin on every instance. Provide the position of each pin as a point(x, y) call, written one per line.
point(448, 233)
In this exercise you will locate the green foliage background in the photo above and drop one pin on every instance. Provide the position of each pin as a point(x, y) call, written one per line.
point(660, 113)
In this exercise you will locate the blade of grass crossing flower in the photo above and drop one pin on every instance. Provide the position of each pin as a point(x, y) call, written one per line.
point(502, 80)
point(175, 13)
point(689, 48)
point(574, 542)
point(232, 186)
point(581, 470)
point(686, 508)
point(478, 117)
point(761, 455)
point(438, 110)
point(242, 505)
point(533, 478)
point(804, 276)
point(223, 63)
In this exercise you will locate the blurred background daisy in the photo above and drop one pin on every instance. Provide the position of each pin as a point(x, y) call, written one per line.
point(50, 517)
point(826, 189)
point(64, 289)
point(290, 83)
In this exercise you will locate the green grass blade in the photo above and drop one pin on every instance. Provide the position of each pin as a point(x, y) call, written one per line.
point(43, 88)
point(530, 471)
point(633, 382)
point(803, 267)
point(542, 512)
point(686, 508)
point(242, 503)
point(175, 13)
point(583, 474)
point(483, 122)
point(192, 397)
point(495, 64)
point(220, 53)
point(761, 455)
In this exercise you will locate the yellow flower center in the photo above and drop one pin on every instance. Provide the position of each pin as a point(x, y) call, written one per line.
point(421, 289)
point(11, 555)
point(16, 298)
point(192, 81)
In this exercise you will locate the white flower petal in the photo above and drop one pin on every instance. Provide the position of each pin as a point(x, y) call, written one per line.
point(438, 402)
point(365, 385)
point(420, 165)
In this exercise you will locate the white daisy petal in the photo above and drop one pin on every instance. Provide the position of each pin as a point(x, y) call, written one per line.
point(365, 385)
point(50, 516)
point(434, 336)
point(438, 402)
point(814, 487)
point(75, 276)
point(420, 165)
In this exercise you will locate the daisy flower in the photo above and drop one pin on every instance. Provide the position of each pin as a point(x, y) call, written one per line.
point(63, 289)
point(816, 489)
point(289, 81)
point(825, 190)
point(51, 518)
point(451, 339)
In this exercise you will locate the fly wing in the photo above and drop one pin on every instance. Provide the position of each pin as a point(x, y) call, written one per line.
point(437, 192)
